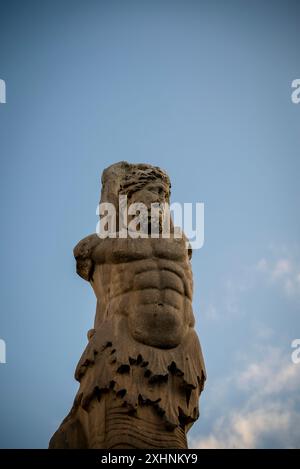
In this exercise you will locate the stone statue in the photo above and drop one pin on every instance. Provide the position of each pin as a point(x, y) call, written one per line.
point(142, 371)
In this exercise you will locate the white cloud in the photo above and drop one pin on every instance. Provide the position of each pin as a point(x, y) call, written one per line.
point(258, 404)
point(274, 373)
point(283, 272)
point(245, 429)
point(268, 413)
point(280, 269)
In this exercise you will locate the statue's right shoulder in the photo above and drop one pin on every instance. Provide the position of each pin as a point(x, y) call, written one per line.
point(85, 247)
point(83, 254)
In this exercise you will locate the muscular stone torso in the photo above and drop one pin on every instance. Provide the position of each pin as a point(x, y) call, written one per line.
point(142, 371)
point(148, 281)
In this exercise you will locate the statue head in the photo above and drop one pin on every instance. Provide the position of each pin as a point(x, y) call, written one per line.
point(139, 182)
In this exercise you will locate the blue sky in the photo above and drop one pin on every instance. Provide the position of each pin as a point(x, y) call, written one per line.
point(202, 89)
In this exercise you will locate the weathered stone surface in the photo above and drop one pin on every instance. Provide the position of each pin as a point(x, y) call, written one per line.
point(142, 371)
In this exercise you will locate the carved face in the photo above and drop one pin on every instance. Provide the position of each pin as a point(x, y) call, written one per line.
point(152, 192)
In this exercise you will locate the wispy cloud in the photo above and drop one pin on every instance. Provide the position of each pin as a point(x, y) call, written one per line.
point(274, 373)
point(229, 299)
point(247, 429)
point(279, 269)
point(269, 411)
point(255, 401)
point(283, 273)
